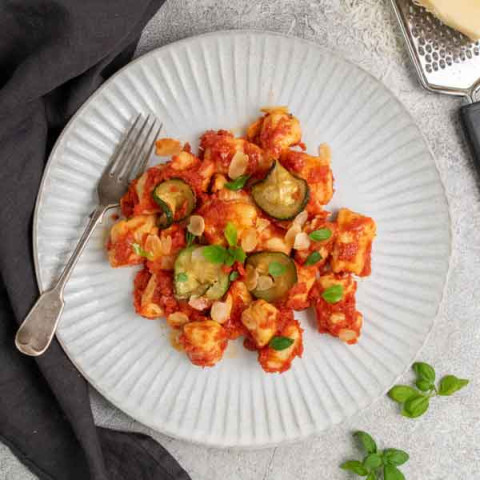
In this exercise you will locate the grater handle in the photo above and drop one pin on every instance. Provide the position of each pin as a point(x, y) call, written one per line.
point(470, 115)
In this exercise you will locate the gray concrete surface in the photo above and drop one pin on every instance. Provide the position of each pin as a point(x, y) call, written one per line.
point(445, 443)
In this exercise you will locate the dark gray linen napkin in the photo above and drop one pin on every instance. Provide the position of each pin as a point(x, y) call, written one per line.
point(53, 55)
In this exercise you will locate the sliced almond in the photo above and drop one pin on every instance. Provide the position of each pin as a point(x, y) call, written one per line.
point(249, 240)
point(182, 161)
point(347, 335)
point(177, 319)
point(302, 241)
point(251, 278)
point(337, 318)
point(325, 151)
point(264, 283)
point(277, 245)
point(301, 219)
point(262, 224)
point(238, 165)
point(220, 311)
point(196, 225)
point(167, 146)
point(167, 245)
point(291, 234)
point(279, 109)
point(199, 303)
point(154, 246)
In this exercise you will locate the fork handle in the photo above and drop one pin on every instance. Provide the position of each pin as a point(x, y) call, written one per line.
point(36, 331)
point(470, 115)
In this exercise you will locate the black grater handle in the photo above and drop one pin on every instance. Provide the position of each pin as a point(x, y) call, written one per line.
point(470, 115)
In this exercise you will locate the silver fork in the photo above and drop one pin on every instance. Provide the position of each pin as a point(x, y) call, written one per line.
point(130, 159)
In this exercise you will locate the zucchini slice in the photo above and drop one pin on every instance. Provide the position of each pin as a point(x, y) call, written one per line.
point(281, 194)
point(281, 269)
point(196, 277)
point(176, 199)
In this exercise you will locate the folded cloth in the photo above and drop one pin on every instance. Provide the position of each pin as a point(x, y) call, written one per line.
point(53, 55)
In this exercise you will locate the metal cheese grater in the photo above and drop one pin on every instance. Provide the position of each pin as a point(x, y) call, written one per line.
point(446, 62)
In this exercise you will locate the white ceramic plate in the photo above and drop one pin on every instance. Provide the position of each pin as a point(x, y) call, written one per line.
point(382, 168)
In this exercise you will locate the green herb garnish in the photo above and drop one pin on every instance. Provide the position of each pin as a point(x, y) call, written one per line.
point(333, 294)
point(238, 183)
point(227, 256)
point(312, 259)
point(238, 254)
point(215, 253)
point(280, 343)
point(233, 276)
point(376, 461)
point(415, 401)
point(231, 234)
point(276, 269)
point(321, 234)
point(181, 277)
point(138, 250)
point(189, 238)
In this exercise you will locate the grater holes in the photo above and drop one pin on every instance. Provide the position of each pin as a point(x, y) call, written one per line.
point(437, 46)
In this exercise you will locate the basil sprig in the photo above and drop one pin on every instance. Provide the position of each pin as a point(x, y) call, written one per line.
point(238, 183)
point(138, 250)
point(415, 401)
point(228, 256)
point(280, 343)
point(189, 238)
point(276, 269)
point(312, 259)
point(376, 462)
point(321, 234)
point(333, 294)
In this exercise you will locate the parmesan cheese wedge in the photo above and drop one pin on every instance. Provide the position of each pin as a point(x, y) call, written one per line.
point(462, 15)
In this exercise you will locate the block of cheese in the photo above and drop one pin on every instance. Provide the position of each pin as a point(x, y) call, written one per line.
point(462, 15)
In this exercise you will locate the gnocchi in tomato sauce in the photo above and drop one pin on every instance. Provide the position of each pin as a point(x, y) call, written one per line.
point(233, 239)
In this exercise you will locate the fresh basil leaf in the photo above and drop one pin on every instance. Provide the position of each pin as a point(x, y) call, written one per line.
point(372, 461)
point(238, 254)
point(393, 456)
point(233, 276)
point(451, 384)
point(390, 472)
point(424, 385)
point(280, 343)
point(238, 183)
point(424, 371)
point(138, 250)
point(181, 277)
point(333, 294)
point(355, 466)
point(415, 406)
point(215, 253)
point(372, 476)
point(189, 238)
point(229, 259)
point(321, 234)
point(312, 259)
point(276, 269)
point(231, 234)
point(401, 393)
point(367, 441)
